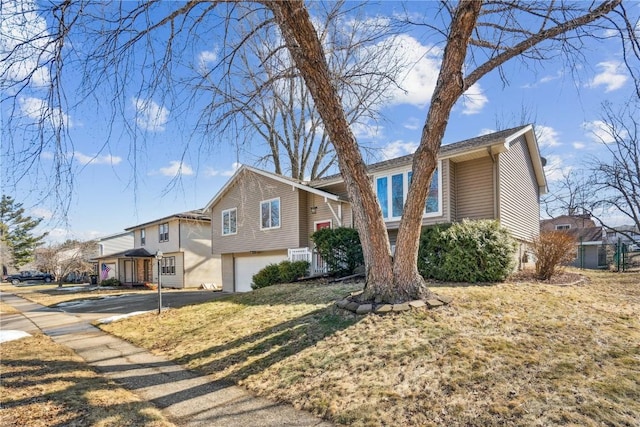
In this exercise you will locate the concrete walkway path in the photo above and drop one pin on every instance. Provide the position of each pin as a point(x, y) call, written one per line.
point(185, 398)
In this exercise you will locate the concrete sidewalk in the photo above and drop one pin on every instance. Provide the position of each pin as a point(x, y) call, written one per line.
point(185, 398)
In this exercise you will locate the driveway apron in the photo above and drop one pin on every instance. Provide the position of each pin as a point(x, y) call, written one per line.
point(186, 399)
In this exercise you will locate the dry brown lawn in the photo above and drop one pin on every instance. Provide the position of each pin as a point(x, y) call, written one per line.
point(45, 384)
point(517, 354)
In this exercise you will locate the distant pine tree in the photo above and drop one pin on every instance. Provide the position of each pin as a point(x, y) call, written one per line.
point(16, 233)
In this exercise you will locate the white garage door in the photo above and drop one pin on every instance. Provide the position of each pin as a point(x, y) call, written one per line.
point(246, 267)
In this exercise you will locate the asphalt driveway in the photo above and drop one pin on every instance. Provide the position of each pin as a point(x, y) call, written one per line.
point(111, 305)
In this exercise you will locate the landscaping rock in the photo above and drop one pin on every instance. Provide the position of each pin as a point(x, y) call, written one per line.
point(432, 303)
point(364, 309)
point(445, 299)
point(417, 303)
point(342, 303)
point(384, 308)
point(401, 307)
point(352, 306)
point(356, 293)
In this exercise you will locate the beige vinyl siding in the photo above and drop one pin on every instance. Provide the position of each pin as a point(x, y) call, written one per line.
point(304, 215)
point(519, 206)
point(199, 265)
point(245, 195)
point(475, 189)
point(323, 213)
point(174, 280)
point(120, 243)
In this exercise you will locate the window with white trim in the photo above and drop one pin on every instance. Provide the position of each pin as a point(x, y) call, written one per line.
point(392, 193)
point(270, 214)
point(143, 237)
point(229, 221)
point(563, 227)
point(168, 265)
point(164, 232)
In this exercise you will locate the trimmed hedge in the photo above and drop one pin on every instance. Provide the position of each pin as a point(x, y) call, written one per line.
point(467, 251)
point(284, 272)
point(340, 248)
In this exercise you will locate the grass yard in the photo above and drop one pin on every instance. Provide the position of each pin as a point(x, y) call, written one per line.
point(45, 384)
point(517, 354)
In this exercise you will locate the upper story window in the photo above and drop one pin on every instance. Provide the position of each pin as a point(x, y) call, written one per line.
point(229, 221)
point(392, 193)
point(270, 214)
point(164, 232)
point(563, 227)
point(143, 237)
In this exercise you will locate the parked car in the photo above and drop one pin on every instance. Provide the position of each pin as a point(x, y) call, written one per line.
point(634, 247)
point(30, 276)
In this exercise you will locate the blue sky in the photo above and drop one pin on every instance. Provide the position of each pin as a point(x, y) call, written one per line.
point(121, 181)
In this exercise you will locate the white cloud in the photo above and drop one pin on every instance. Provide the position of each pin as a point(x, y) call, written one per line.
point(397, 149)
point(486, 131)
point(612, 77)
point(38, 110)
point(578, 145)
point(176, 168)
point(42, 213)
point(547, 136)
point(366, 130)
point(413, 123)
point(205, 59)
point(419, 80)
point(213, 172)
point(150, 116)
point(473, 100)
point(598, 131)
point(24, 41)
point(107, 159)
point(554, 169)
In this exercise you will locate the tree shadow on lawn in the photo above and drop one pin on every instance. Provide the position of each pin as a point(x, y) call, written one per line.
point(62, 397)
point(270, 345)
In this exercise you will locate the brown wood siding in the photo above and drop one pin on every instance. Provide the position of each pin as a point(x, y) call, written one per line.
point(245, 195)
point(519, 206)
point(474, 189)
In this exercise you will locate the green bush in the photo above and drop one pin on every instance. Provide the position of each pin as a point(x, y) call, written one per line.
point(340, 248)
point(290, 271)
point(284, 272)
point(110, 282)
point(468, 251)
point(270, 275)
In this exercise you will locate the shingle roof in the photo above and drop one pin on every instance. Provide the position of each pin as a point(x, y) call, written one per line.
point(445, 150)
point(196, 214)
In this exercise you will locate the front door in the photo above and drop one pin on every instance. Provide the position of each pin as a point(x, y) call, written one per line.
point(319, 225)
point(146, 271)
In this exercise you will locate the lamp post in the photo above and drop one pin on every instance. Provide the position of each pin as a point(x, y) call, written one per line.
point(159, 258)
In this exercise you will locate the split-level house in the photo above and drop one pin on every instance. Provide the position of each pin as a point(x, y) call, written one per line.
point(258, 217)
point(184, 239)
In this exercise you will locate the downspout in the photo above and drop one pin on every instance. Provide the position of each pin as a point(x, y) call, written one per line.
point(494, 176)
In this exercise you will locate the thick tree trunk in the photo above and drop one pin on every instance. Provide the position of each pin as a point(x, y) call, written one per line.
point(302, 41)
point(387, 280)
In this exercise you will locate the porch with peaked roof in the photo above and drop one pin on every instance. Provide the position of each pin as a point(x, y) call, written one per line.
point(133, 267)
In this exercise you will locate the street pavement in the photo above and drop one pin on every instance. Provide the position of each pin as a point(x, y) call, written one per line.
point(186, 399)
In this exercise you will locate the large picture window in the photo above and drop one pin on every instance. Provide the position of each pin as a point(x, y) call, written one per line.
point(392, 193)
point(270, 214)
point(229, 222)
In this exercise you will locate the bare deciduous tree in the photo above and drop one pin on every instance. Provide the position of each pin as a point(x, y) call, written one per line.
point(146, 40)
point(67, 258)
point(616, 180)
